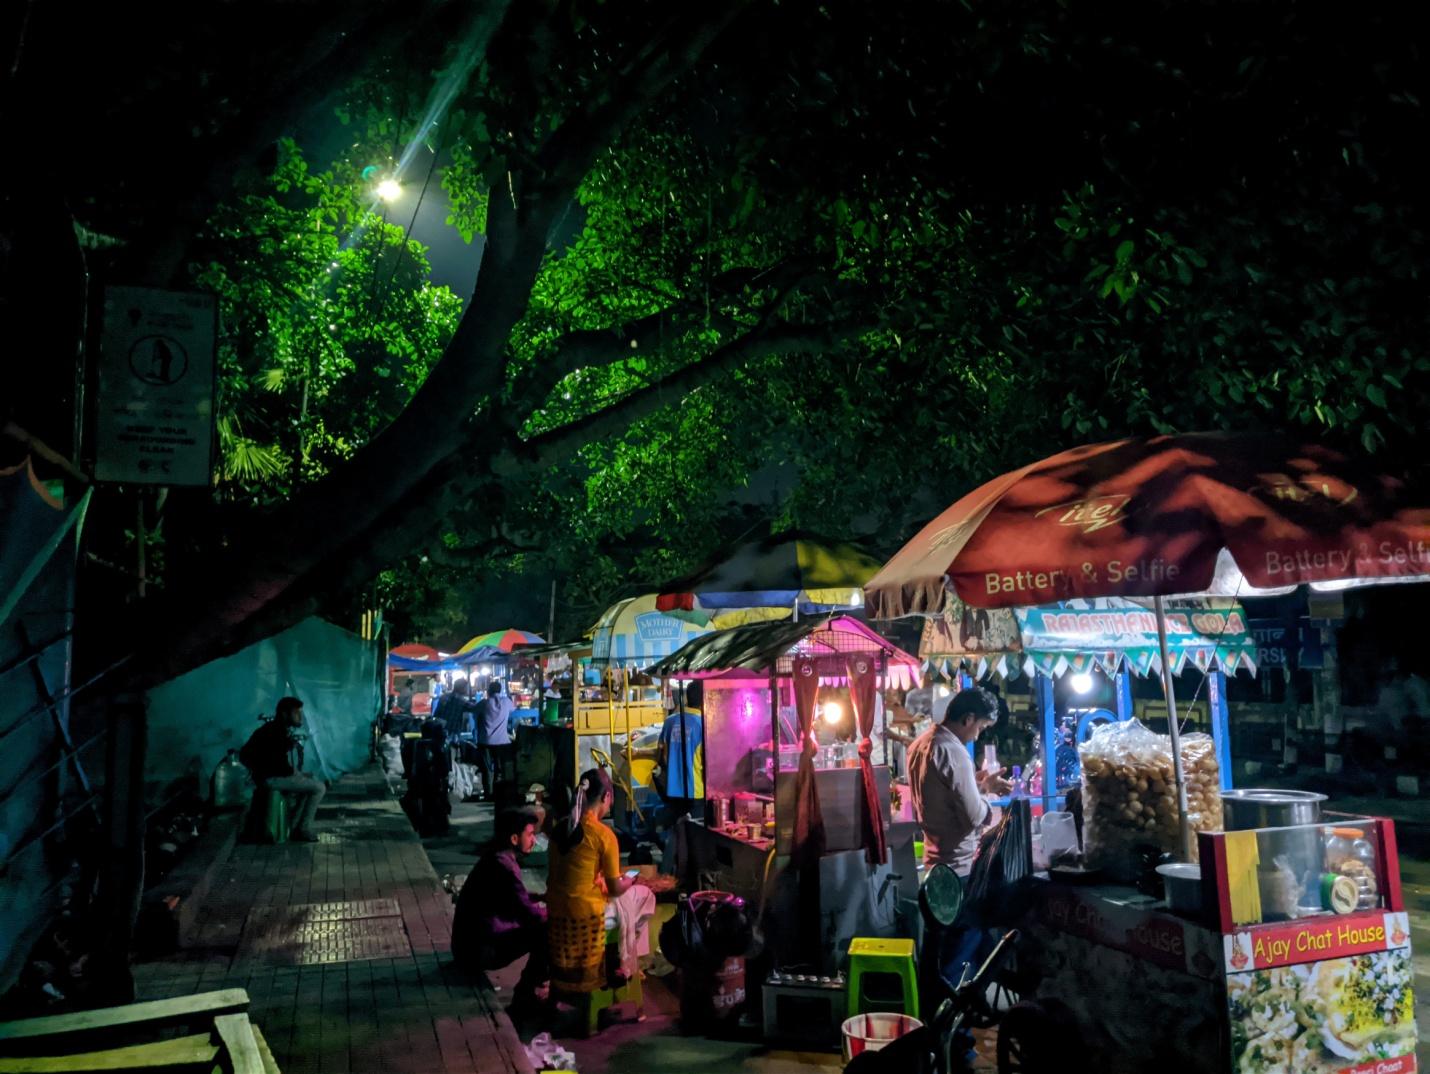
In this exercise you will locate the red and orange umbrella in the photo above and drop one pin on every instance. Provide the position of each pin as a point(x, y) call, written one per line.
point(1162, 516)
point(1221, 513)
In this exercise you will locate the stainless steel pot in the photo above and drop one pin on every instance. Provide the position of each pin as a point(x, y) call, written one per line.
point(1294, 844)
point(1253, 807)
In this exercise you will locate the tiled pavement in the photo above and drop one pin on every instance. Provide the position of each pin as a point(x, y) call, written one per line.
point(342, 946)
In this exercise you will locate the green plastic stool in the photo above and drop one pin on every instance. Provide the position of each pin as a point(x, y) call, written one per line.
point(267, 817)
point(869, 956)
point(593, 1003)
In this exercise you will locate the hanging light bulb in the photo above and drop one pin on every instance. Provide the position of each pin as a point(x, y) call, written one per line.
point(1082, 683)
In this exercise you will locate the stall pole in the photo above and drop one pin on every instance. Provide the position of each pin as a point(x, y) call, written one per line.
point(630, 754)
point(1048, 711)
point(1124, 695)
point(774, 729)
point(881, 684)
point(1221, 724)
point(1183, 825)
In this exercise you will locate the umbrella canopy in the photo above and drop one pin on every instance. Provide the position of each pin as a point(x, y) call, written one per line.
point(502, 640)
point(757, 649)
point(415, 651)
point(634, 631)
point(776, 571)
point(1189, 514)
point(1163, 516)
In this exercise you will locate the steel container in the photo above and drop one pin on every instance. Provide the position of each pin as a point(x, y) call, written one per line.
point(1253, 807)
point(1294, 842)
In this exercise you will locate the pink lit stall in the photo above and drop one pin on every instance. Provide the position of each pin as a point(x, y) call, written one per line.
point(797, 791)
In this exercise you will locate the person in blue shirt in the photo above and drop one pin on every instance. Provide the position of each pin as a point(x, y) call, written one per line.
point(494, 738)
point(681, 753)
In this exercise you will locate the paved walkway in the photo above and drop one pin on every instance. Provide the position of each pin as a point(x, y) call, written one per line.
point(342, 946)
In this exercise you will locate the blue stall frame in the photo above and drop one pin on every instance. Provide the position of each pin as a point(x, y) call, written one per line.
point(1047, 714)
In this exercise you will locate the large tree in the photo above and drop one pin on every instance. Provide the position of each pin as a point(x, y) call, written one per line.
point(896, 253)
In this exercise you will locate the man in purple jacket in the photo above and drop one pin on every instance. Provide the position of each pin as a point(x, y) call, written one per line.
point(497, 920)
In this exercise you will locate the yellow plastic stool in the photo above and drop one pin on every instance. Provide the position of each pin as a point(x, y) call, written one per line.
point(872, 956)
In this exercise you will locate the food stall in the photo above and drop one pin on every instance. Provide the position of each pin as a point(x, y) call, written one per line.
point(422, 664)
point(789, 713)
point(597, 706)
point(1285, 951)
point(1079, 657)
point(619, 702)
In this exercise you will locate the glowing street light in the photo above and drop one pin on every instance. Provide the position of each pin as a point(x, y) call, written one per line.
point(389, 190)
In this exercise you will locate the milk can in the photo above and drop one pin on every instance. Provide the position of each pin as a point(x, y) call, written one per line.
point(230, 787)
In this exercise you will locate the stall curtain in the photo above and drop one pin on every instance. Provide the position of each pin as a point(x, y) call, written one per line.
point(863, 677)
point(808, 842)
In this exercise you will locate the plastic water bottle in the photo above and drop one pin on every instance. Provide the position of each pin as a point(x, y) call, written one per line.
point(1017, 790)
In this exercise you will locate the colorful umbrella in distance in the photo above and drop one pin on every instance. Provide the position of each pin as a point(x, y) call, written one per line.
point(504, 640)
point(416, 651)
point(776, 571)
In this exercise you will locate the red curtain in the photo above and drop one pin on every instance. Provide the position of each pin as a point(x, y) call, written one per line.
point(863, 679)
point(808, 842)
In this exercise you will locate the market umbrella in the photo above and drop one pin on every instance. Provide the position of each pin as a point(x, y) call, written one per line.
point(634, 631)
point(1194, 514)
point(501, 640)
point(416, 651)
point(776, 572)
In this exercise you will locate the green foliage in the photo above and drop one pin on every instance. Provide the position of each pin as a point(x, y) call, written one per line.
point(328, 324)
point(1052, 224)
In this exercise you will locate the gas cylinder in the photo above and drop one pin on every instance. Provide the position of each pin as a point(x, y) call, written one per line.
point(230, 787)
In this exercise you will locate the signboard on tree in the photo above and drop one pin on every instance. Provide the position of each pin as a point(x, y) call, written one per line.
point(154, 423)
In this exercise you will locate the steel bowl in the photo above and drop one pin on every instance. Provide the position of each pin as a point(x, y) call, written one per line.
point(1255, 807)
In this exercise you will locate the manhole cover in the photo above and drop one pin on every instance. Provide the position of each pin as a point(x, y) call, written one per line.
point(312, 933)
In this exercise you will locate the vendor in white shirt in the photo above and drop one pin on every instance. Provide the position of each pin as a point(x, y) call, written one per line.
point(950, 795)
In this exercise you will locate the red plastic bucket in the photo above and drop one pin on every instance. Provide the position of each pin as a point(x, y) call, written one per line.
point(870, 1032)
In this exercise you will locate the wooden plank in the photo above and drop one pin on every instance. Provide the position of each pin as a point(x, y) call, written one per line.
point(236, 1032)
point(270, 1065)
point(181, 1052)
point(154, 1012)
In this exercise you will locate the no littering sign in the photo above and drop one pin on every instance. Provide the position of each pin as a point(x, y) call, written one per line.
point(154, 423)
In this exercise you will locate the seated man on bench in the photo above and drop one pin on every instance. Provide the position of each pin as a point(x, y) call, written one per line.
point(269, 753)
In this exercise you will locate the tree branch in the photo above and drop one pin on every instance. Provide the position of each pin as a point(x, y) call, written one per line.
point(586, 348)
point(550, 447)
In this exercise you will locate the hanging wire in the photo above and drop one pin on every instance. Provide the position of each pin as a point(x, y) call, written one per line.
point(426, 183)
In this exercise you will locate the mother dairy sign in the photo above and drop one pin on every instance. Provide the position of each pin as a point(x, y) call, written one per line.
point(1111, 630)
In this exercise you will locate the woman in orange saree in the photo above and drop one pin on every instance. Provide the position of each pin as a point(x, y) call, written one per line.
point(585, 871)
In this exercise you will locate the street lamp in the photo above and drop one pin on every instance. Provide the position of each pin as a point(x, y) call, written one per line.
point(389, 190)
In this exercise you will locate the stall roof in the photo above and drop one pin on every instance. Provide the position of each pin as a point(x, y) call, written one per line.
point(556, 648)
point(765, 647)
point(426, 667)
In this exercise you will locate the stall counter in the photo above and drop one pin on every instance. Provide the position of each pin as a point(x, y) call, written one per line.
point(1323, 993)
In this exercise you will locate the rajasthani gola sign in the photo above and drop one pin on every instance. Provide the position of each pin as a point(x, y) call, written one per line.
point(1108, 631)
